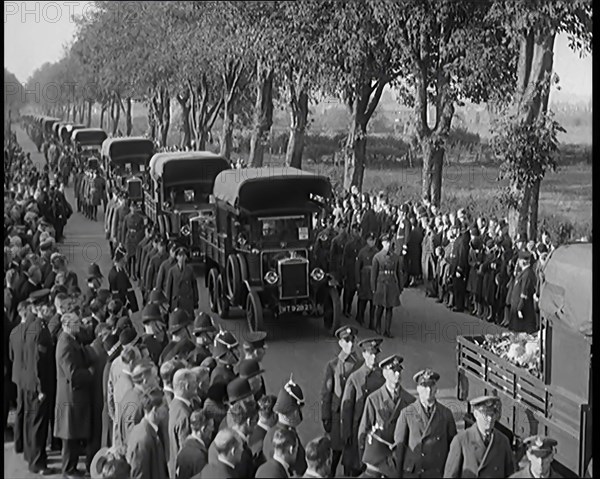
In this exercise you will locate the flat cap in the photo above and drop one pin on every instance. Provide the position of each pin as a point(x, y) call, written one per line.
point(392, 362)
point(255, 339)
point(426, 377)
point(372, 345)
point(346, 332)
point(540, 446)
point(39, 296)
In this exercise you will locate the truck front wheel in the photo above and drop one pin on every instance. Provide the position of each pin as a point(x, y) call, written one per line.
point(254, 312)
point(212, 289)
point(222, 301)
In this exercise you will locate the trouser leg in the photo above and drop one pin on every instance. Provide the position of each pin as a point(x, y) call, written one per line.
point(388, 321)
point(360, 311)
point(39, 419)
point(19, 421)
point(378, 315)
point(335, 460)
point(349, 291)
point(70, 455)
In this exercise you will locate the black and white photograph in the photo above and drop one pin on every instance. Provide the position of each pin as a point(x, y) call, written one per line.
point(310, 238)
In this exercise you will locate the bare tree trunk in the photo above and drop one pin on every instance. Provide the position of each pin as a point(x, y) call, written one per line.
point(103, 113)
point(231, 82)
point(184, 103)
point(534, 201)
point(89, 114)
point(299, 120)
point(115, 114)
point(263, 113)
point(128, 119)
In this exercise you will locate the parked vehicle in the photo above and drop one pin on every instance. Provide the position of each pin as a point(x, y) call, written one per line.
point(558, 402)
point(258, 246)
point(87, 143)
point(178, 189)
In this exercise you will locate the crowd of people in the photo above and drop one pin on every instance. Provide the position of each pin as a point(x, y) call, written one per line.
point(187, 399)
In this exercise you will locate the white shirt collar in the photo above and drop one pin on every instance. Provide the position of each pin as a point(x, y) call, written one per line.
point(183, 400)
point(263, 425)
point(226, 462)
point(312, 473)
point(154, 426)
point(280, 461)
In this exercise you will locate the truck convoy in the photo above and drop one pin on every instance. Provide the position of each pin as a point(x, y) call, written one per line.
point(553, 396)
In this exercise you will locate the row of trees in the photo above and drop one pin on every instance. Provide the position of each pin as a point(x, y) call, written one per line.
point(235, 60)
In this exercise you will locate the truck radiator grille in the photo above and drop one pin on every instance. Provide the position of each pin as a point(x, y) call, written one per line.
point(294, 278)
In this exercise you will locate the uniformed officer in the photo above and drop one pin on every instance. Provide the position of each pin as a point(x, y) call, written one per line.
point(182, 290)
point(336, 252)
point(181, 345)
point(165, 266)
point(522, 310)
point(203, 331)
point(323, 245)
point(377, 456)
point(364, 262)
point(154, 261)
point(386, 283)
point(142, 250)
point(337, 372)
point(132, 233)
point(425, 429)
point(385, 404)
point(226, 353)
point(480, 450)
point(540, 454)
point(360, 384)
point(288, 407)
point(154, 337)
point(119, 283)
point(349, 256)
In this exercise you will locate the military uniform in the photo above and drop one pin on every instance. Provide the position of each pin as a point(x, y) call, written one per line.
point(542, 447)
point(386, 279)
point(151, 275)
point(364, 263)
point(337, 372)
point(323, 247)
point(336, 257)
point(349, 256)
point(121, 288)
point(132, 233)
point(521, 300)
point(163, 272)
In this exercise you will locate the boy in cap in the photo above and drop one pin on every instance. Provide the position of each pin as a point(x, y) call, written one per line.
point(288, 408)
point(425, 429)
point(360, 384)
point(337, 372)
point(540, 454)
point(364, 262)
point(480, 450)
point(377, 456)
point(385, 404)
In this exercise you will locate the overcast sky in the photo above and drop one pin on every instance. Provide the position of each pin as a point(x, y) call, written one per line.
point(37, 32)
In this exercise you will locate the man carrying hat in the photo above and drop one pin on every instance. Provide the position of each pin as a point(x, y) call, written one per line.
point(522, 315)
point(540, 454)
point(337, 372)
point(360, 384)
point(480, 450)
point(288, 407)
point(425, 429)
point(181, 289)
point(181, 344)
point(154, 337)
point(226, 353)
point(203, 331)
point(385, 404)
point(143, 250)
point(119, 283)
point(377, 456)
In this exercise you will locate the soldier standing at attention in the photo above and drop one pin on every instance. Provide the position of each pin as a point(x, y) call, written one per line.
point(336, 251)
point(163, 269)
point(349, 256)
point(425, 430)
point(132, 233)
point(153, 265)
point(182, 289)
point(481, 450)
point(386, 282)
point(364, 262)
point(337, 372)
point(540, 454)
point(119, 283)
point(361, 383)
point(383, 406)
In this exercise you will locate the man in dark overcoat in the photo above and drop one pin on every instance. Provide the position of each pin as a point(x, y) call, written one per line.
point(182, 289)
point(364, 263)
point(349, 278)
point(132, 233)
point(522, 310)
point(119, 283)
point(73, 393)
point(460, 267)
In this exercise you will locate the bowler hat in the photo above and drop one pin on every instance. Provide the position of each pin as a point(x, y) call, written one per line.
point(178, 319)
point(128, 336)
point(249, 368)
point(203, 323)
point(39, 296)
point(111, 344)
point(151, 312)
point(238, 389)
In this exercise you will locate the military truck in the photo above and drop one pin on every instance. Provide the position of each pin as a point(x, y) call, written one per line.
point(258, 246)
point(558, 401)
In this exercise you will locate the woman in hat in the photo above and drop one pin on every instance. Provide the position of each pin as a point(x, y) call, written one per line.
point(386, 282)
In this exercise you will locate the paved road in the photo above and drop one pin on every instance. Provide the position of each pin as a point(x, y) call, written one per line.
point(424, 333)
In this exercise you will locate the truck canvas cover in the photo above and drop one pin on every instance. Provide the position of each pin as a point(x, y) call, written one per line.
point(65, 130)
point(257, 190)
point(187, 167)
point(566, 290)
point(121, 151)
point(88, 136)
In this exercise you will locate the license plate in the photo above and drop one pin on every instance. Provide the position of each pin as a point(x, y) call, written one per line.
point(294, 308)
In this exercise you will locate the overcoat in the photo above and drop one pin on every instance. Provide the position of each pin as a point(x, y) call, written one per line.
point(351, 249)
point(179, 429)
point(469, 457)
point(132, 231)
point(299, 467)
point(521, 299)
point(146, 453)
point(73, 393)
point(182, 290)
point(191, 459)
point(364, 263)
point(425, 441)
point(386, 279)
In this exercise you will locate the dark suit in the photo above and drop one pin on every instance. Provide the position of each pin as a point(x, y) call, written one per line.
point(245, 468)
point(273, 469)
point(425, 441)
point(223, 373)
point(469, 457)
point(255, 443)
point(151, 272)
point(146, 453)
point(121, 288)
point(460, 252)
point(182, 349)
point(521, 300)
point(179, 429)
point(99, 358)
point(216, 470)
point(191, 459)
point(299, 467)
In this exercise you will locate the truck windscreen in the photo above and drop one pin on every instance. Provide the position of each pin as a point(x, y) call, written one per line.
point(284, 228)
